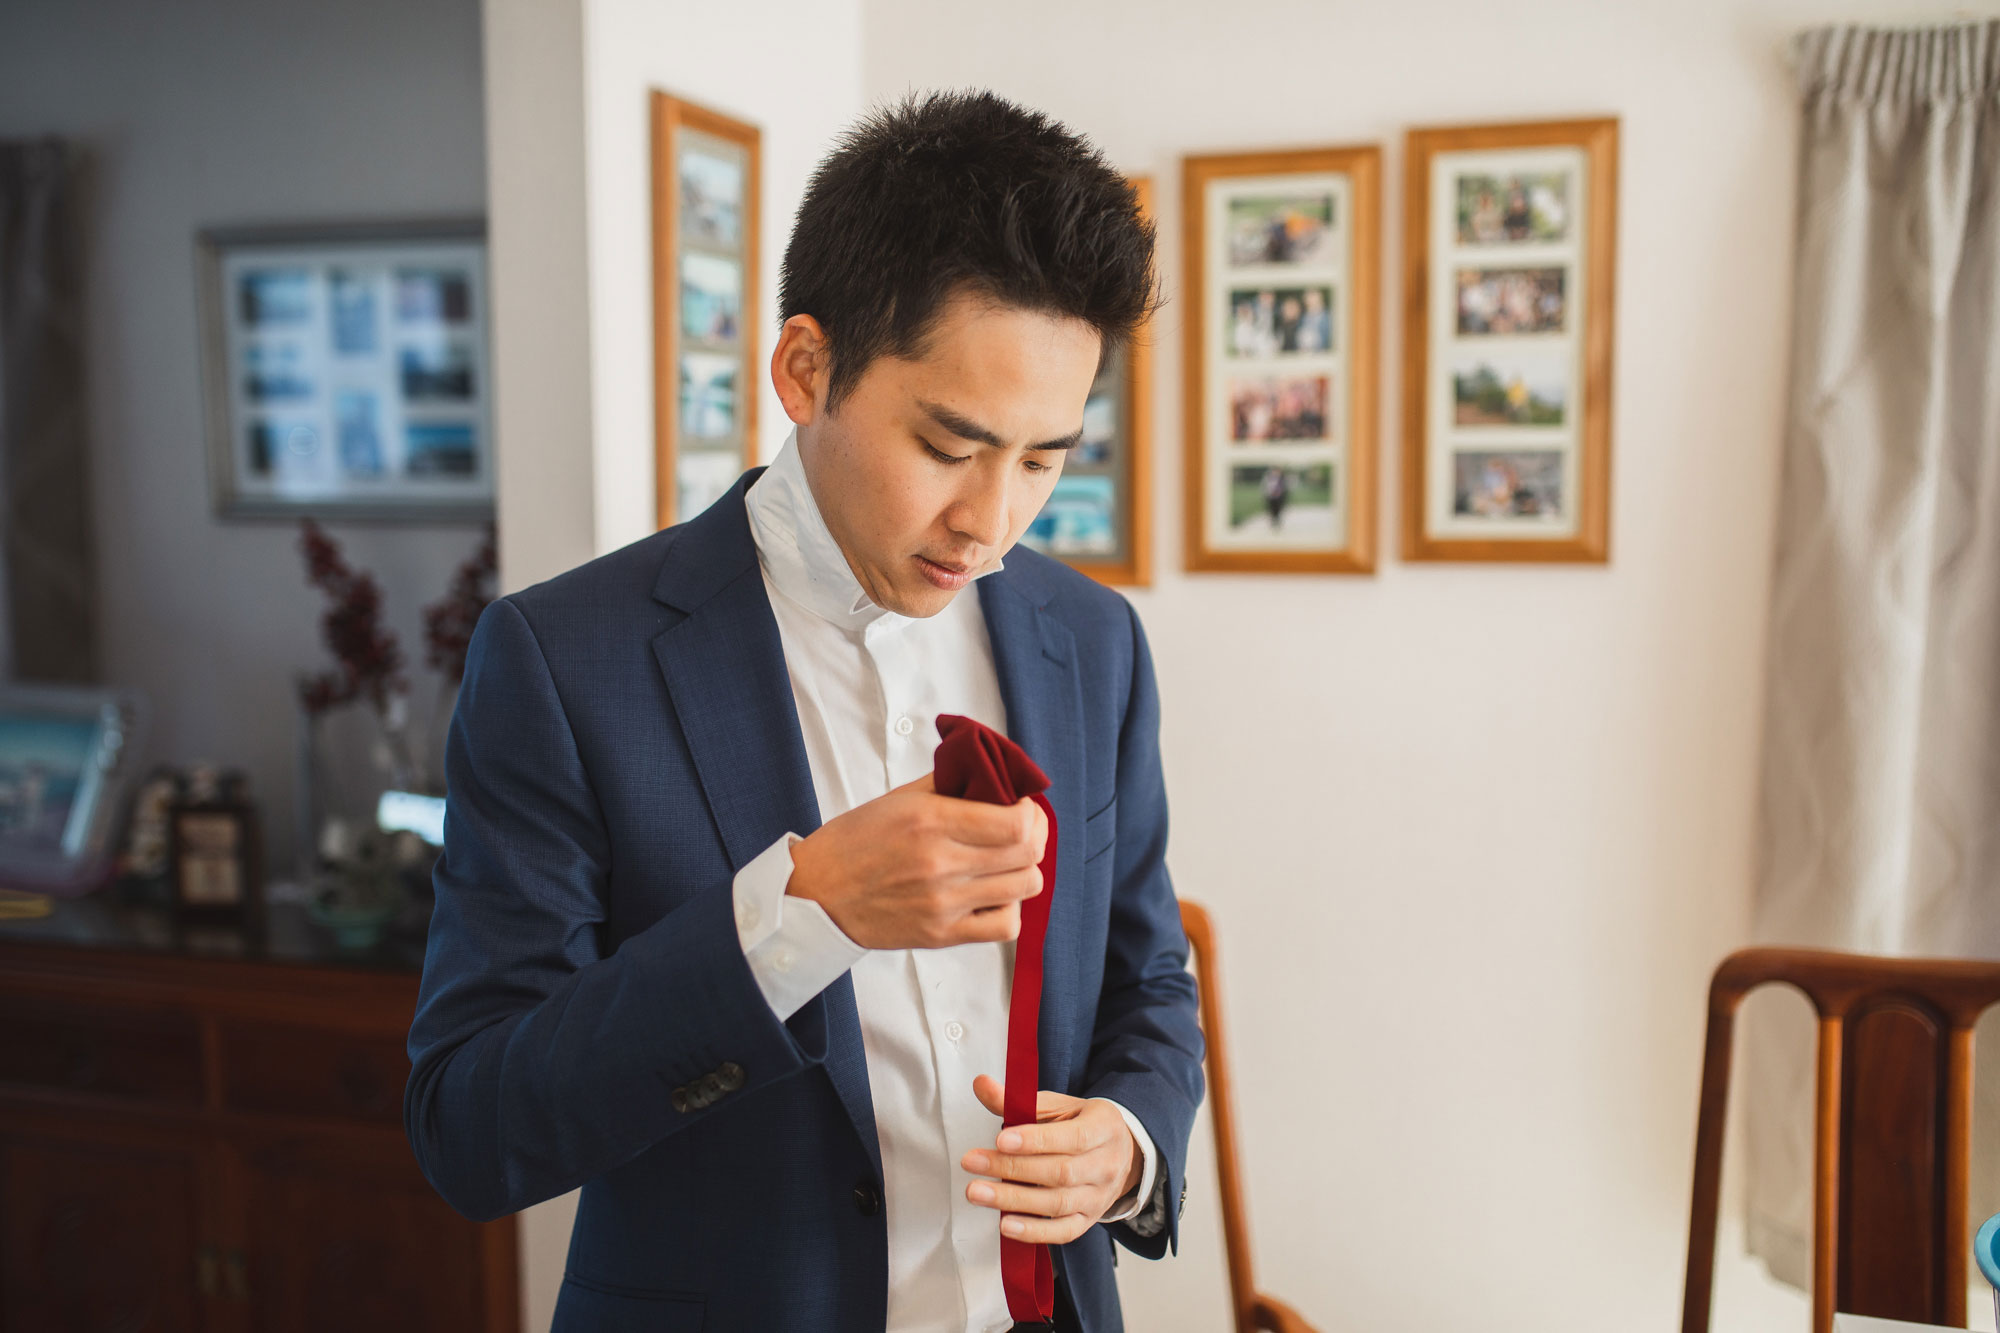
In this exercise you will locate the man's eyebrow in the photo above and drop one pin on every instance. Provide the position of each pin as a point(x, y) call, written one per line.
point(967, 429)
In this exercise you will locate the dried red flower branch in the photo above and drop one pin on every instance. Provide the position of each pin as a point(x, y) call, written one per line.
point(448, 622)
point(369, 660)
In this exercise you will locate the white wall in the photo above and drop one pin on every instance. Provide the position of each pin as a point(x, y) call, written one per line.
point(539, 261)
point(567, 97)
point(210, 112)
point(1474, 835)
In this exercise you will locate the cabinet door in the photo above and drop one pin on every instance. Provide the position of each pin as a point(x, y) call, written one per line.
point(99, 1227)
point(341, 1232)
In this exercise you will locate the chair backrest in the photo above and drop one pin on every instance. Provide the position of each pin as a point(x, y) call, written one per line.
point(1892, 1129)
point(1253, 1310)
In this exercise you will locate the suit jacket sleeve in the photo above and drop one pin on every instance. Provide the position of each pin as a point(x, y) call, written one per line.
point(538, 1062)
point(1147, 1050)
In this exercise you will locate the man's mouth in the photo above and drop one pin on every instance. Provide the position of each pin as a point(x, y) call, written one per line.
point(943, 575)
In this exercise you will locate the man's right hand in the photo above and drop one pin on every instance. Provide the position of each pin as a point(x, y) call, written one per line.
point(915, 870)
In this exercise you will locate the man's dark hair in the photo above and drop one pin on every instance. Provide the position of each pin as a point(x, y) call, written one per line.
point(952, 191)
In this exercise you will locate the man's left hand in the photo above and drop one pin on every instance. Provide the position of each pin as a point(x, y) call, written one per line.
point(1053, 1179)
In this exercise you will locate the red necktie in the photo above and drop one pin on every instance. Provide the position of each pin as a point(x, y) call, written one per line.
point(978, 763)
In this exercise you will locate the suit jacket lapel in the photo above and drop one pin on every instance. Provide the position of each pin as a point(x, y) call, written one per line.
point(725, 669)
point(1034, 655)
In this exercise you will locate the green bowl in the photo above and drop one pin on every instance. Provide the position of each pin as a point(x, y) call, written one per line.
point(355, 926)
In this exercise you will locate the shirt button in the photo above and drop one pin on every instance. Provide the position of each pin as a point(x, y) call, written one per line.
point(746, 916)
point(904, 726)
point(782, 960)
point(954, 1030)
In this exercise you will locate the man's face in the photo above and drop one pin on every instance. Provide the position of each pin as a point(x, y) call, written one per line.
point(929, 472)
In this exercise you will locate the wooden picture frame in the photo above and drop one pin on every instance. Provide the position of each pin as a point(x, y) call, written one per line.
point(1281, 320)
point(1509, 251)
point(215, 856)
point(706, 380)
point(1107, 481)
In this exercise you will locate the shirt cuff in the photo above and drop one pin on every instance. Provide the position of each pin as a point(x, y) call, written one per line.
point(794, 948)
point(1130, 1205)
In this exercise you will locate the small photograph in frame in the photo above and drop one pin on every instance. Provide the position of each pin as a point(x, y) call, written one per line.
point(709, 383)
point(1080, 518)
point(338, 359)
point(1286, 503)
point(711, 198)
point(1282, 227)
point(701, 477)
point(1265, 408)
point(1280, 312)
point(1509, 248)
point(1517, 485)
point(1513, 302)
point(1267, 322)
point(705, 304)
point(1527, 386)
point(711, 299)
point(1098, 517)
point(1513, 207)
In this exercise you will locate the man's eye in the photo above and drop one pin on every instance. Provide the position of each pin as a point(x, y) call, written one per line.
point(944, 457)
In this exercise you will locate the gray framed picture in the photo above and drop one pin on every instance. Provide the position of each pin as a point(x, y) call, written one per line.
point(66, 756)
point(347, 371)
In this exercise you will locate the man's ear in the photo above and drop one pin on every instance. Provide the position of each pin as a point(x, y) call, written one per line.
point(799, 368)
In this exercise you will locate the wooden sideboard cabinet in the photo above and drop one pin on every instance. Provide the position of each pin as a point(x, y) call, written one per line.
point(193, 1140)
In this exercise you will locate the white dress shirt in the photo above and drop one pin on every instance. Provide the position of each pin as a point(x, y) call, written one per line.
point(869, 685)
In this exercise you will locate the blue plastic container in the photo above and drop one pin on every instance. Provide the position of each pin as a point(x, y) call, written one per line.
point(1986, 1251)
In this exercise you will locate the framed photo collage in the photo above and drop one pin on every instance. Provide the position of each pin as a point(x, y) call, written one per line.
point(705, 304)
point(1509, 235)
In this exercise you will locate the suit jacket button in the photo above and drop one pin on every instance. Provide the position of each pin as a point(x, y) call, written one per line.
point(710, 1087)
point(866, 1200)
point(730, 1075)
point(682, 1102)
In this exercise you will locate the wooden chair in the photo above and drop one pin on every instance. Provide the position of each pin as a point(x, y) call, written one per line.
point(1254, 1311)
point(1892, 1129)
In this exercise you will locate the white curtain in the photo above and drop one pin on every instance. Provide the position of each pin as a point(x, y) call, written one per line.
point(1880, 820)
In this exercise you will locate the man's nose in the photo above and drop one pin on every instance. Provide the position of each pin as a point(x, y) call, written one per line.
point(981, 511)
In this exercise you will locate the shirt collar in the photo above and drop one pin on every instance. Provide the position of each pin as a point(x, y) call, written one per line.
point(799, 553)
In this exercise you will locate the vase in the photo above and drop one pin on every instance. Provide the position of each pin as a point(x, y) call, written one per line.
point(305, 798)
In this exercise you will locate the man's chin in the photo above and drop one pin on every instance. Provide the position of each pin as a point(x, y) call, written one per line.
point(922, 602)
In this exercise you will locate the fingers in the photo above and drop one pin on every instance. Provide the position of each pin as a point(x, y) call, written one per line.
point(1055, 1170)
point(1077, 1134)
point(999, 890)
point(1038, 1202)
point(1047, 1230)
point(1045, 1197)
point(988, 925)
point(992, 1093)
point(988, 825)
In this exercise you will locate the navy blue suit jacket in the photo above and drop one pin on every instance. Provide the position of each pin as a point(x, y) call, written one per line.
point(625, 739)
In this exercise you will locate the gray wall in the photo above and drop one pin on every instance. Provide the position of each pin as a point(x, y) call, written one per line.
point(207, 112)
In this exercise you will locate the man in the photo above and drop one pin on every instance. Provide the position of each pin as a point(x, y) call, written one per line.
point(707, 942)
